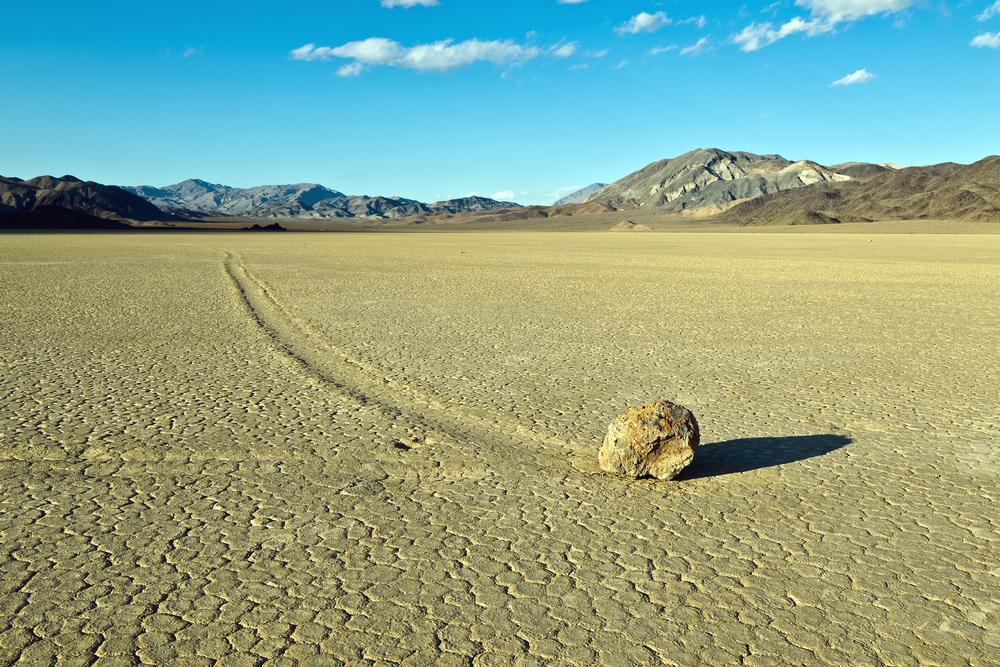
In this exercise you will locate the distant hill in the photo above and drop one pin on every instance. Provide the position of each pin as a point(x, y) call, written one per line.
point(709, 180)
point(47, 202)
point(946, 191)
point(581, 195)
point(861, 171)
point(469, 205)
point(301, 200)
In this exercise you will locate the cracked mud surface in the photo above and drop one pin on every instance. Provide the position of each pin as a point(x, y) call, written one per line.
point(224, 449)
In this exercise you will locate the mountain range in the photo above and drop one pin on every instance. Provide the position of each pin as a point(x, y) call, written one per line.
point(302, 200)
point(732, 187)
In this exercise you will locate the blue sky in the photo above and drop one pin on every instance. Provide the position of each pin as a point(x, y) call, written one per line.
point(528, 99)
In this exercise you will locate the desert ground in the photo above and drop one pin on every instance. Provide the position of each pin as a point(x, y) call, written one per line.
point(243, 449)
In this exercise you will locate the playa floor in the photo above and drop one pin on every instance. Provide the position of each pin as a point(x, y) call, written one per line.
point(380, 448)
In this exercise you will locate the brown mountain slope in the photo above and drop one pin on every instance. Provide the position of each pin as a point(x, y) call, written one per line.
point(46, 202)
point(945, 191)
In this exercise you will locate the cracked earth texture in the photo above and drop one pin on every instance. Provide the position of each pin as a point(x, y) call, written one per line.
point(226, 449)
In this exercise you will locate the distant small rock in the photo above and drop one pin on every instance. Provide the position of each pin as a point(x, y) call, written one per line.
point(629, 226)
point(655, 440)
point(275, 227)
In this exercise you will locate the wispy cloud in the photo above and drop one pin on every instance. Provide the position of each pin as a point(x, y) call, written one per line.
point(437, 56)
point(406, 4)
point(989, 12)
point(643, 22)
point(190, 52)
point(564, 50)
point(571, 2)
point(699, 21)
point(658, 50)
point(838, 11)
point(855, 78)
point(350, 69)
point(824, 16)
point(758, 35)
point(986, 40)
point(699, 47)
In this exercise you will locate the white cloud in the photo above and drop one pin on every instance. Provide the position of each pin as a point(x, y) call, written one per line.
point(190, 52)
point(503, 195)
point(643, 22)
point(350, 69)
point(657, 50)
point(699, 47)
point(854, 78)
point(989, 12)
point(699, 21)
point(564, 50)
point(444, 55)
point(838, 11)
point(371, 51)
point(598, 54)
point(824, 16)
point(406, 4)
point(571, 2)
point(437, 56)
point(758, 35)
point(304, 52)
point(986, 40)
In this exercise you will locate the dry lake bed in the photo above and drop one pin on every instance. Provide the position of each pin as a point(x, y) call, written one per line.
point(381, 448)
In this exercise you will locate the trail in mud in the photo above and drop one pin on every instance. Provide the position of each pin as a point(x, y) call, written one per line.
point(419, 416)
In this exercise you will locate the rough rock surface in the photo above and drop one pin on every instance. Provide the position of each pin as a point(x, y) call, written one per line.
point(273, 227)
point(655, 440)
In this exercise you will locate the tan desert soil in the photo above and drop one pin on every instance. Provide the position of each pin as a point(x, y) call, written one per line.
point(370, 449)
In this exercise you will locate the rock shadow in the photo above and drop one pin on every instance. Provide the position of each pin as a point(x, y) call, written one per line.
point(746, 454)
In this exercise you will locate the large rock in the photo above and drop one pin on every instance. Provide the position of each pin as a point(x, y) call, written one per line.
point(656, 440)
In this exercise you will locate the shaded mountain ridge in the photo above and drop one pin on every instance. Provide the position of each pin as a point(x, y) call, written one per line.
point(47, 202)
